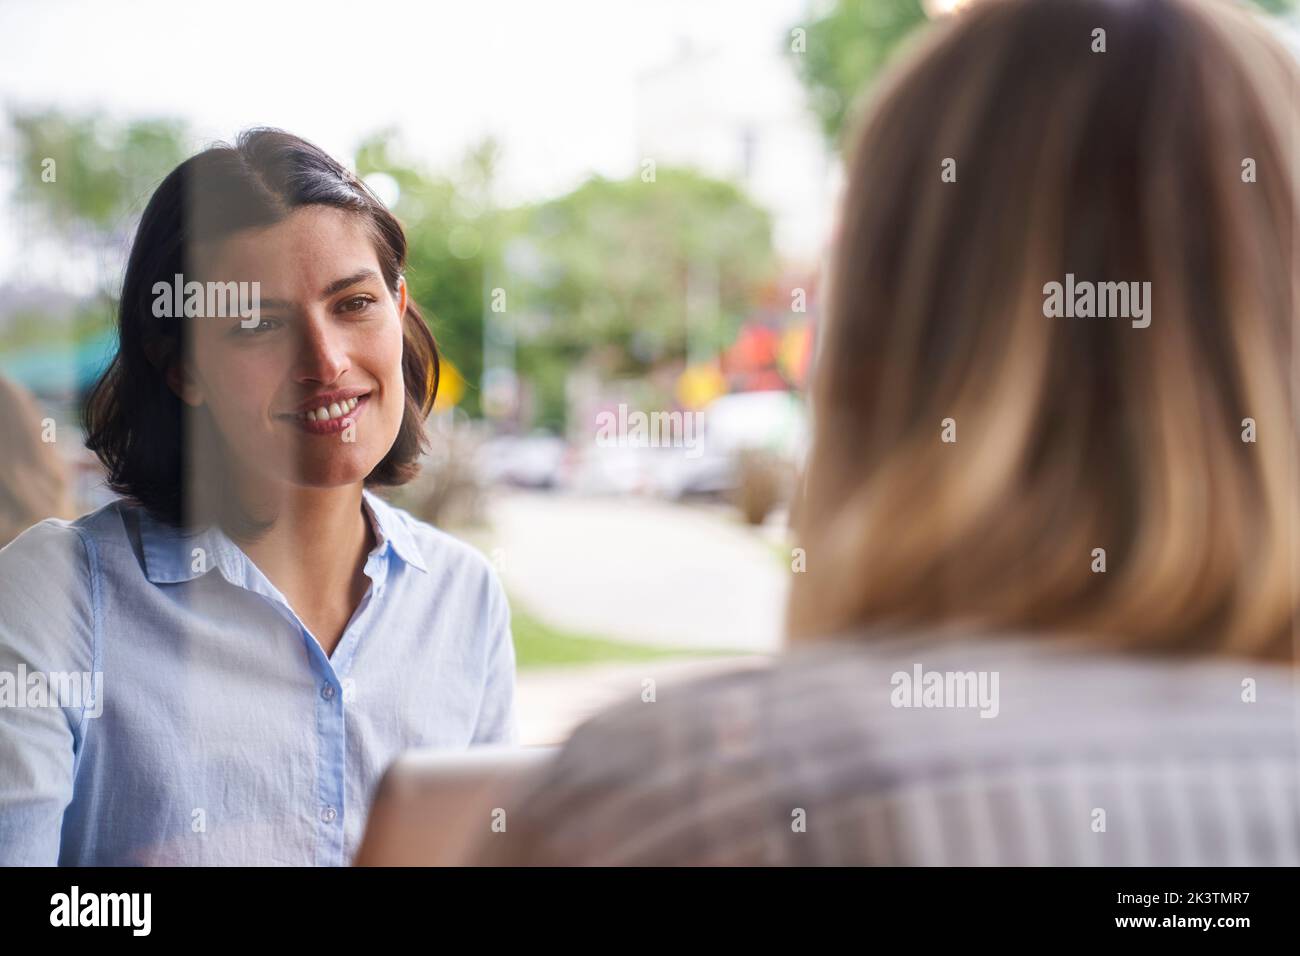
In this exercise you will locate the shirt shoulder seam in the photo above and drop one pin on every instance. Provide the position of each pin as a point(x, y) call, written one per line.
point(96, 644)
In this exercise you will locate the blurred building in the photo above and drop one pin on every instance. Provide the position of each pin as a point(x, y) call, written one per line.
point(703, 109)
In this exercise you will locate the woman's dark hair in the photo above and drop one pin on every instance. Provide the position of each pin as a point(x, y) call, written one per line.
point(135, 423)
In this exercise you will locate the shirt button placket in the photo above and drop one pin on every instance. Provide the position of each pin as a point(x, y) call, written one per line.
point(331, 724)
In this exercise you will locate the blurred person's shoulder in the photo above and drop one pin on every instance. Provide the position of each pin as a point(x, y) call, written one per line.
point(717, 769)
point(925, 702)
point(71, 554)
point(55, 542)
point(691, 773)
point(48, 577)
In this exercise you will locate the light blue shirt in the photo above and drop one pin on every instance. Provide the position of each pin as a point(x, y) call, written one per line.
point(161, 703)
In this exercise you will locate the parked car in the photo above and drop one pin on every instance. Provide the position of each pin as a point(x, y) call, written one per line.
point(524, 461)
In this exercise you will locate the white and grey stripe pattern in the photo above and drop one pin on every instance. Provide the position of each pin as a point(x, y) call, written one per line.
point(1092, 759)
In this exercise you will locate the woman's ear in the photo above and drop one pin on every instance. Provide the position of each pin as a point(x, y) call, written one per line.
point(180, 381)
point(401, 297)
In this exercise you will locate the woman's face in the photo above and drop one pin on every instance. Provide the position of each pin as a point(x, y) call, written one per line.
point(313, 394)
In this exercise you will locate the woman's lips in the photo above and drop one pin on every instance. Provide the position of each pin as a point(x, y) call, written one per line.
point(341, 416)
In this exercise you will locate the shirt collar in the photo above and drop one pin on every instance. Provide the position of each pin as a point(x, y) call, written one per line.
point(173, 555)
point(391, 529)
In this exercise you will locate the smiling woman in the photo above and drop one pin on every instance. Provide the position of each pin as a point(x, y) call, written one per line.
point(276, 214)
point(270, 633)
point(330, 329)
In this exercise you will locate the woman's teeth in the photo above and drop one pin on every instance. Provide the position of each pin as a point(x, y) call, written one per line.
point(333, 410)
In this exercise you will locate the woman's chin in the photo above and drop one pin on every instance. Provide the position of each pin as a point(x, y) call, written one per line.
point(339, 469)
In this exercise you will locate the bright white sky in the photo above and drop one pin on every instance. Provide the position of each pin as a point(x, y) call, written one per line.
point(555, 81)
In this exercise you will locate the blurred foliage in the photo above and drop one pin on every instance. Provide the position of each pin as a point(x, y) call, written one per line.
point(539, 645)
point(845, 48)
point(449, 223)
point(620, 274)
point(848, 43)
point(449, 490)
point(630, 273)
point(30, 327)
point(103, 175)
point(105, 170)
point(764, 480)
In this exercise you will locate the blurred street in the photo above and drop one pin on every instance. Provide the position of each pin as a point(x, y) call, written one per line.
point(553, 702)
point(640, 569)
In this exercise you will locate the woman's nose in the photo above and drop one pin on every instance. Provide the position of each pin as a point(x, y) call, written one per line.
point(322, 352)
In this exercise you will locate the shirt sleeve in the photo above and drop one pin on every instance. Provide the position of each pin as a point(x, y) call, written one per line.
point(497, 721)
point(46, 638)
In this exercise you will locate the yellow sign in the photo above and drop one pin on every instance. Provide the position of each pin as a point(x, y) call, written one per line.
point(699, 385)
point(793, 356)
point(451, 387)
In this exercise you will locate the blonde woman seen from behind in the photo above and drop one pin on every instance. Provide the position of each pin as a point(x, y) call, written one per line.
point(1050, 602)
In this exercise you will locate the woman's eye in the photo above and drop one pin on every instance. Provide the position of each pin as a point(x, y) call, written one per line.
point(263, 325)
point(356, 304)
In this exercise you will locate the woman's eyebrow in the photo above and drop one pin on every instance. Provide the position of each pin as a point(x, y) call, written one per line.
point(338, 285)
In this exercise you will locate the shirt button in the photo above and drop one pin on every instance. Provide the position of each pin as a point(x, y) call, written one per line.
point(328, 814)
point(327, 691)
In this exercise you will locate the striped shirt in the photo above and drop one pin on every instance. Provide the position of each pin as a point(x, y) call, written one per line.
point(929, 752)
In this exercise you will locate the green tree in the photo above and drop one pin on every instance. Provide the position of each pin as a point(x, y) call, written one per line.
point(846, 46)
point(88, 178)
point(844, 49)
point(452, 237)
point(103, 170)
point(631, 273)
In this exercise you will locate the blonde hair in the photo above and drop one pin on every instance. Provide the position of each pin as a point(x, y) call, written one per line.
point(1071, 434)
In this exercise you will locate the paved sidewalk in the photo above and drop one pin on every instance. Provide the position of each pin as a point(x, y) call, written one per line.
point(553, 702)
point(640, 570)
